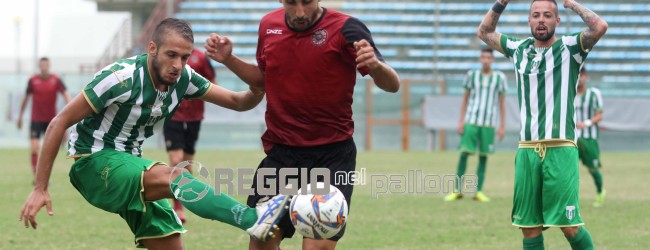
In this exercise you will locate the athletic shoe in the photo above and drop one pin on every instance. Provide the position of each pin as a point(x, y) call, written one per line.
point(269, 214)
point(481, 197)
point(600, 199)
point(453, 196)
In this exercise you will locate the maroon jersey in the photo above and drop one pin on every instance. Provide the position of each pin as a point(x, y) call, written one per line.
point(309, 78)
point(192, 109)
point(44, 92)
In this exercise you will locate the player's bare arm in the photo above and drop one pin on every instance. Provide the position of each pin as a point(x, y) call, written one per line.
point(487, 30)
point(502, 116)
point(239, 101)
point(23, 105)
point(594, 120)
point(463, 109)
point(384, 76)
point(220, 49)
point(72, 113)
point(596, 26)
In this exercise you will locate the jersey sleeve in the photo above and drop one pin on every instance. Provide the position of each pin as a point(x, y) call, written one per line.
point(30, 88)
point(509, 45)
point(111, 85)
point(61, 86)
point(259, 54)
point(503, 86)
point(467, 82)
point(597, 100)
point(574, 43)
point(198, 85)
point(353, 31)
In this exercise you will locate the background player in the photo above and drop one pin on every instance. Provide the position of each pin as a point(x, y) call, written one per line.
point(546, 192)
point(308, 66)
point(589, 112)
point(483, 87)
point(43, 89)
point(182, 131)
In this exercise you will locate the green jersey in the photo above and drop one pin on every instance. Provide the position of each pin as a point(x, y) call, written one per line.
point(484, 91)
point(587, 105)
point(547, 80)
point(128, 108)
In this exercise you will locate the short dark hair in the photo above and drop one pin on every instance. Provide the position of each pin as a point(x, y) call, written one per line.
point(553, 1)
point(583, 70)
point(44, 59)
point(487, 50)
point(172, 24)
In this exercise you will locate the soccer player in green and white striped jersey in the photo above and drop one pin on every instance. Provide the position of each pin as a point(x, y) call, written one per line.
point(484, 90)
point(125, 103)
point(589, 112)
point(546, 72)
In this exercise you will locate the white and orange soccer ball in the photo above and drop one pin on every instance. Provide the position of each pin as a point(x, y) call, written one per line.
point(319, 216)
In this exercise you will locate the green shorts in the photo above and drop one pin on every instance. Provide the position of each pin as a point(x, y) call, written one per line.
point(476, 135)
point(112, 181)
point(589, 153)
point(546, 185)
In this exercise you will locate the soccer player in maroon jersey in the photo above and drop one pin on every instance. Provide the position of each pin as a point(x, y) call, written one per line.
point(182, 132)
point(43, 88)
point(308, 58)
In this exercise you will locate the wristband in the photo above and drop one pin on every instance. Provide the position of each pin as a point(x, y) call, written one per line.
point(587, 123)
point(498, 7)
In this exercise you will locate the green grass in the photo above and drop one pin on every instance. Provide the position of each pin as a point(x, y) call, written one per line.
point(406, 221)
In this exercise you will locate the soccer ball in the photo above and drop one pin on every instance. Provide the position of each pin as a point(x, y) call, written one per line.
point(319, 216)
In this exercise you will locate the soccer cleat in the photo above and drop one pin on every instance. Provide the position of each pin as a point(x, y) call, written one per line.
point(481, 197)
point(600, 199)
point(453, 196)
point(269, 214)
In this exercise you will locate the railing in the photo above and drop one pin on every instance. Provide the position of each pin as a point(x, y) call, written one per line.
point(116, 49)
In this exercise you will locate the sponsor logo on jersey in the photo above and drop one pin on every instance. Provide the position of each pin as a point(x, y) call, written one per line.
point(274, 31)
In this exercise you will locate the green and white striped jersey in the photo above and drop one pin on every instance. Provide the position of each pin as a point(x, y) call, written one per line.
point(586, 105)
point(547, 80)
point(127, 108)
point(484, 91)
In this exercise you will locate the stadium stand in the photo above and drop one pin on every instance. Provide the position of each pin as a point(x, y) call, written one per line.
point(416, 36)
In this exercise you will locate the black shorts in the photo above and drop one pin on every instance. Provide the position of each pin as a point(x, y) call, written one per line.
point(36, 129)
point(182, 135)
point(338, 156)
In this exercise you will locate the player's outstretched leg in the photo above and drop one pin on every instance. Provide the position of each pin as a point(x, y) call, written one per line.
point(598, 180)
point(259, 222)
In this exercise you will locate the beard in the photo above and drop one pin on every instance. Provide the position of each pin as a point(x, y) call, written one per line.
point(549, 34)
point(157, 71)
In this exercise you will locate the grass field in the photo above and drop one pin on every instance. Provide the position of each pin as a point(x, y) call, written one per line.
point(413, 221)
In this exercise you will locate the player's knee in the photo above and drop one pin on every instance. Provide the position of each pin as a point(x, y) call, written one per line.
point(531, 232)
point(570, 232)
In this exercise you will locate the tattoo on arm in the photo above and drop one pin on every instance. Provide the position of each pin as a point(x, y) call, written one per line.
point(590, 35)
point(487, 30)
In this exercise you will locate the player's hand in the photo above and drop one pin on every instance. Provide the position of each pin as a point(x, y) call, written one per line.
point(501, 133)
point(461, 128)
point(580, 125)
point(19, 124)
point(36, 200)
point(504, 2)
point(218, 48)
point(366, 55)
point(568, 3)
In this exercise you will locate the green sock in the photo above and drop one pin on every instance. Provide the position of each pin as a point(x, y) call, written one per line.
point(482, 163)
point(536, 243)
point(462, 166)
point(598, 179)
point(582, 240)
point(212, 206)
